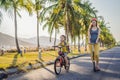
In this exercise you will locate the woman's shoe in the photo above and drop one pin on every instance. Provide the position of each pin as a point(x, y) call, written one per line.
point(94, 68)
point(97, 68)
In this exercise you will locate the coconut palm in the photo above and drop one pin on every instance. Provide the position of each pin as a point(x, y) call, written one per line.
point(37, 6)
point(0, 17)
point(53, 26)
point(73, 15)
point(66, 11)
point(106, 38)
point(16, 5)
point(87, 14)
point(70, 13)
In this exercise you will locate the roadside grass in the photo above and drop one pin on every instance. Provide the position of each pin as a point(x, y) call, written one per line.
point(13, 59)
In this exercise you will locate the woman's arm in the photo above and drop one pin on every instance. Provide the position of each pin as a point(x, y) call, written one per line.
point(89, 36)
point(98, 35)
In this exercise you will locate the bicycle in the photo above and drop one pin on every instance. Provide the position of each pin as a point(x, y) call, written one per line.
point(60, 62)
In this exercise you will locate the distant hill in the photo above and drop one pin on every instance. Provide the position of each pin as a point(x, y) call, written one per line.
point(9, 41)
point(44, 41)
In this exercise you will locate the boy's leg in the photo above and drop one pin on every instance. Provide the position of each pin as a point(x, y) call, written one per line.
point(66, 60)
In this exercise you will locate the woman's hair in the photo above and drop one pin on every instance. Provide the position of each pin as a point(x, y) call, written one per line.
point(94, 19)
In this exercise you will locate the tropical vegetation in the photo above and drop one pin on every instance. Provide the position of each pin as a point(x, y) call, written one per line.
point(73, 16)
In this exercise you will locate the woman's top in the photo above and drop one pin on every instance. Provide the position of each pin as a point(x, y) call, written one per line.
point(94, 35)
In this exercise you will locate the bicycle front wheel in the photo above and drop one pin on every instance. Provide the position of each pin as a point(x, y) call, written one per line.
point(57, 66)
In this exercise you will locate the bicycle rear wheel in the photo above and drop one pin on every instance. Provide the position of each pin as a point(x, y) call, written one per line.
point(57, 66)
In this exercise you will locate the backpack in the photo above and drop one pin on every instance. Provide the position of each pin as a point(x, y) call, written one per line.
point(68, 49)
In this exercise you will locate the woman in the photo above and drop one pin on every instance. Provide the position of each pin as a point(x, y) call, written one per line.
point(93, 39)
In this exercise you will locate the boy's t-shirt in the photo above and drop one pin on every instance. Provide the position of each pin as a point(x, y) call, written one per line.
point(64, 46)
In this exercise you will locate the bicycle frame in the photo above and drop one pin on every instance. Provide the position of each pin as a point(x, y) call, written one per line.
point(62, 60)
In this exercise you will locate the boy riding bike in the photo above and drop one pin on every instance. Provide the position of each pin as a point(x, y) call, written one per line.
point(65, 47)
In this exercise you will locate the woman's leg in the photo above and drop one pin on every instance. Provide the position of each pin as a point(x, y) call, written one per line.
point(91, 52)
point(97, 54)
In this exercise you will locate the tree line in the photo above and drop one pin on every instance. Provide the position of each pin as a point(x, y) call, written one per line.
point(74, 16)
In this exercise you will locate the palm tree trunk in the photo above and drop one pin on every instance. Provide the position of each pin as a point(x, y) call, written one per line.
point(38, 43)
point(55, 38)
point(86, 42)
point(71, 46)
point(16, 37)
point(67, 26)
point(67, 22)
point(78, 41)
point(74, 44)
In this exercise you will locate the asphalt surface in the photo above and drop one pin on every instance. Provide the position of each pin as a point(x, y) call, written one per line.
point(80, 69)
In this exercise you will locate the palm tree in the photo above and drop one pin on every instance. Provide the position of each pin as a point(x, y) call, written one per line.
point(73, 15)
point(55, 38)
point(16, 5)
point(69, 12)
point(0, 17)
point(87, 14)
point(37, 8)
point(106, 38)
point(66, 11)
point(53, 26)
point(0, 14)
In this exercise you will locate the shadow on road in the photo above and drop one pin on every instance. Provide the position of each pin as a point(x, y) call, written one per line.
point(72, 75)
point(45, 67)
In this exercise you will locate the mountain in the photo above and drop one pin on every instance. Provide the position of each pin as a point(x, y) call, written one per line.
point(8, 41)
point(44, 41)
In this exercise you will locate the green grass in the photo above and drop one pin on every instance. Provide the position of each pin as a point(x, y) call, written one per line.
point(12, 59)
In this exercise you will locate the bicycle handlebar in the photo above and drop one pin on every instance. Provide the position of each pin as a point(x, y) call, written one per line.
point(57, 46)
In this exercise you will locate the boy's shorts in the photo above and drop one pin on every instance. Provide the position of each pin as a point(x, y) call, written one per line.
point(65, 54)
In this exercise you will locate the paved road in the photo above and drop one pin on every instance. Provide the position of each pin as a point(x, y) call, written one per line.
point(81, 69)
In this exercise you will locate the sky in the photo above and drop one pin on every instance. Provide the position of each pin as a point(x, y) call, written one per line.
point(109, 9)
